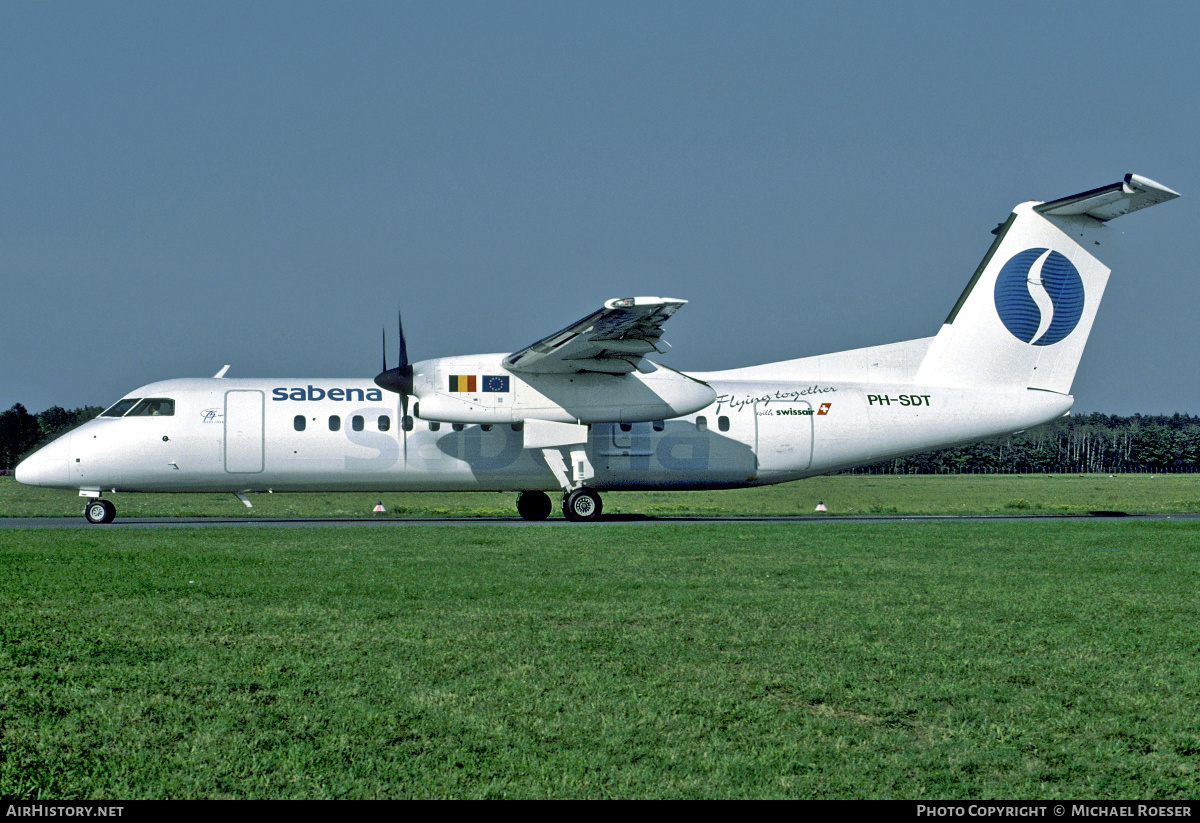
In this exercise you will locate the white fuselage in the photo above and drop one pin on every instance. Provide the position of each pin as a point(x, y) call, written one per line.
point(584, 411)
point(243, 435)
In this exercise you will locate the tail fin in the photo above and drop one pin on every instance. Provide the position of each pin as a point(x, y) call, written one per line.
point(1025, 316)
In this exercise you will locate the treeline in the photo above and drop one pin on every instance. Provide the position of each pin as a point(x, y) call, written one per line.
point(22, 432)
point(1106, 443)
point(1081, 443)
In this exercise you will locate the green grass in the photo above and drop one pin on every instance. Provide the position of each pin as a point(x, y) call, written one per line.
point(941, 660)
point(842, 494)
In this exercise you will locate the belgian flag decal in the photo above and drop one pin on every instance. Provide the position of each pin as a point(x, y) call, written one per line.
point(462, 382)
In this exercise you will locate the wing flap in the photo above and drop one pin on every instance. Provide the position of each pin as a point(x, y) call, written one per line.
point(612, 340)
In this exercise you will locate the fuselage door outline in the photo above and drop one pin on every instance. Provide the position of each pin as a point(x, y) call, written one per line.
point(244, 431)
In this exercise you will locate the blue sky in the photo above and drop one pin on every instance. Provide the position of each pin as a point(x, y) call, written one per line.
point(263, 184)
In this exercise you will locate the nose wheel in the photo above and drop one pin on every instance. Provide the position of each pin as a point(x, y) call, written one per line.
point(99, 511)
point(582, 506)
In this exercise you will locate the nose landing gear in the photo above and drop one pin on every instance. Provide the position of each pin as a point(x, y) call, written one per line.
point(99, 511)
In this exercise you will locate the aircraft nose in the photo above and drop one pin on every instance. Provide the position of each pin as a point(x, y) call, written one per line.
point(24, 473)
point(29, 471)
point(46, 466)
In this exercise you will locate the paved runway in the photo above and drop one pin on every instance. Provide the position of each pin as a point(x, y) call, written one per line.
point(459, 522)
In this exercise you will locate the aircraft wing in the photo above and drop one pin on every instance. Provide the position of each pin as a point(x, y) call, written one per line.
point(612, 340)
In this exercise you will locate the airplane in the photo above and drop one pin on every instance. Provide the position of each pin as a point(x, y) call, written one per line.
point(586, 411)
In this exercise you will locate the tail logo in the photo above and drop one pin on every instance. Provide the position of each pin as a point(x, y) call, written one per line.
point(1039, 296)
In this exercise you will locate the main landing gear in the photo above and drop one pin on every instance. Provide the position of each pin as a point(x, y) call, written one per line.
point(580, 506)
point(99, 511)
point(533, 505)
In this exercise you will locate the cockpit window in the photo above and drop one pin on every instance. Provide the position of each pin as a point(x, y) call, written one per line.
point(119, 408)
point(153, 407)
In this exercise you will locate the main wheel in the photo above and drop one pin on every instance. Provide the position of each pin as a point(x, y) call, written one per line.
point(99, 511)
point(533, 505)
point(582, 506)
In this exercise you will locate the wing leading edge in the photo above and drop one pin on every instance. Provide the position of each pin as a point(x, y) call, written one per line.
point(613, 340)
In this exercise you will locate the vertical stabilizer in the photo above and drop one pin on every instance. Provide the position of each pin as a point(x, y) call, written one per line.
point(1024, 318)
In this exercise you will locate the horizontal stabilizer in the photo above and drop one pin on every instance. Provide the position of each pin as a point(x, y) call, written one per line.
point(1105, 203)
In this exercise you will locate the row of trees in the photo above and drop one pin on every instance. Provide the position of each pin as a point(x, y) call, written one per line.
point(22, 432)
point(1080, 443)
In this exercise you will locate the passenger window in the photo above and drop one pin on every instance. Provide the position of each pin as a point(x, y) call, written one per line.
point(723, 423)
point(435, 427)
point(406, 422)
point(457, 426)
point(385, 423)
point(299, 422)
point(659, 425)
point(487, 427)
point(119, 408)
point(356, 422)
point(516, 427)
point(153, 407)
point(702, 424)
point(625, 427)
point(335, 423)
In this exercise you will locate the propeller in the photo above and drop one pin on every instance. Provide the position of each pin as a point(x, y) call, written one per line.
point(399, 379)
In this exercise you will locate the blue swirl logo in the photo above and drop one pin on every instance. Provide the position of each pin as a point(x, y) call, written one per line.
point(1039, 296)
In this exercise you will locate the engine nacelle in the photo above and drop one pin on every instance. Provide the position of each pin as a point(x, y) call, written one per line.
point(480, 390)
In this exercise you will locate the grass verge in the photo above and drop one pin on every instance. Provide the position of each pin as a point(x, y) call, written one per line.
point(985, 660)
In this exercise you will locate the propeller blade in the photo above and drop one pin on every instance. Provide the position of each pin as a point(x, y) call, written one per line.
point(404, 417)
point(398, 380)
point(406, 370)
point(403, 345)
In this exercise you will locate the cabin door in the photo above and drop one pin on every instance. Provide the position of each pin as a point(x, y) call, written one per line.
point(243, 432)
point(784, 435)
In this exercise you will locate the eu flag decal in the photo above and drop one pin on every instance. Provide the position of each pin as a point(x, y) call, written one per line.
point(462, 382)
point(495, 382)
